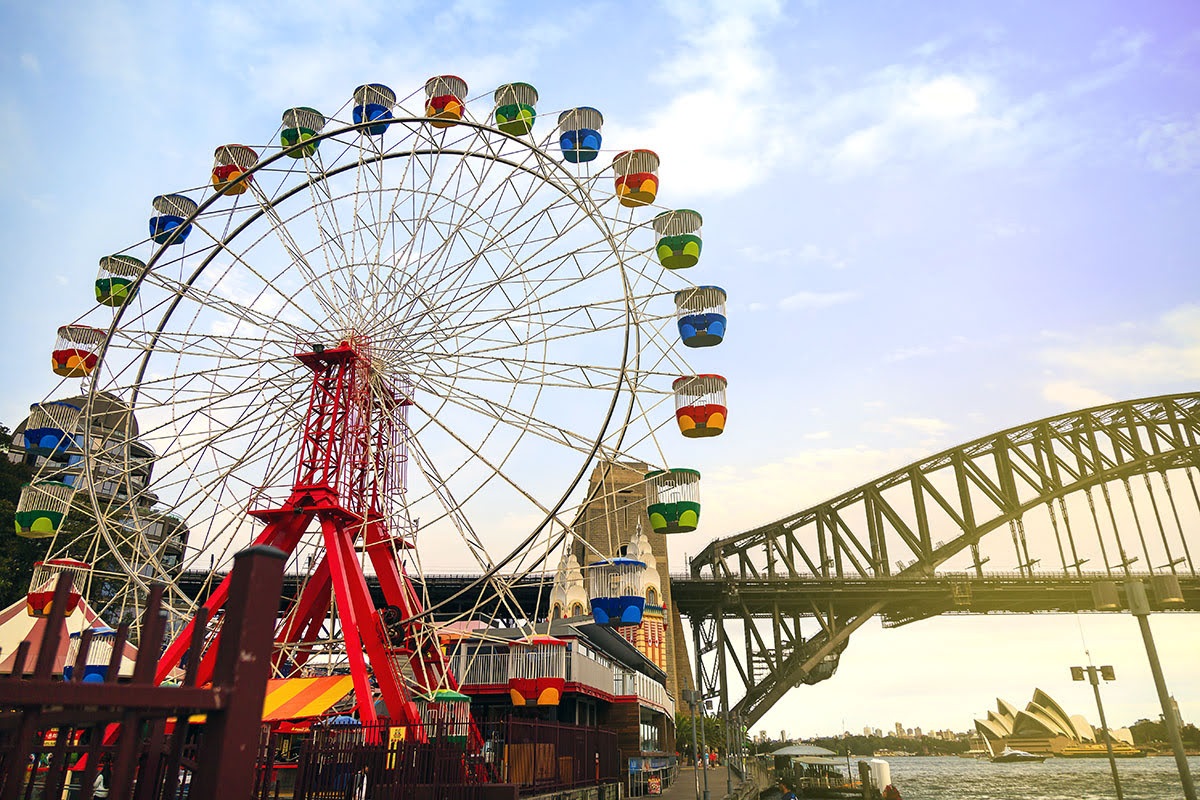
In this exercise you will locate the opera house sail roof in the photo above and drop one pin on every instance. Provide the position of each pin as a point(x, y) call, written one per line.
point(1042, 718)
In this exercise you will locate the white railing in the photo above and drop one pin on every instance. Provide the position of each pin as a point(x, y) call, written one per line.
point(644, 688)
point(589, 671)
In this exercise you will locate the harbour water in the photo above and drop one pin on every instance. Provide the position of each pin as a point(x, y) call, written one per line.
point(943, 778)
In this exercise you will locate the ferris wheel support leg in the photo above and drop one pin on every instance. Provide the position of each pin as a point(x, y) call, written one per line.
point(427, 662)
point(283, 534)
point(360, 624)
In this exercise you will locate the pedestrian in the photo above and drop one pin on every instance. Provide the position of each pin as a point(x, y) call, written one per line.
point(103, 778)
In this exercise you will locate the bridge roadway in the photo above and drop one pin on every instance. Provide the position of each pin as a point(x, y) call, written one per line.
point(908, 598)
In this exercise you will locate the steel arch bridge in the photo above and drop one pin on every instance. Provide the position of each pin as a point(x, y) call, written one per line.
point(1110, 488)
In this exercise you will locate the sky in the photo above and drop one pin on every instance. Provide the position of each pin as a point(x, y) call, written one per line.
point(934, 220)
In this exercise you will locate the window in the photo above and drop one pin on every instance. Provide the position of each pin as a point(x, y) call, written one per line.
point(576, 609)
point(651, 596)
point(556, 611)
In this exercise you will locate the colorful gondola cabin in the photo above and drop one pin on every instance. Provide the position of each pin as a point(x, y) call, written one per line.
point(700, 313)
point(39, 599)
point(373, 102)
point(171, 225)
point(579, 134)
point(516, 108)
point(75, 352)
point(537, 670)
point(445, 100)
point(114, 281)
point(636, 177)
point(674, 500)
point(700, 405)
point(615, 591)
point(301, 124)
point(231, 162)
point(677, 235)
point(50, 429)
point(41, 508)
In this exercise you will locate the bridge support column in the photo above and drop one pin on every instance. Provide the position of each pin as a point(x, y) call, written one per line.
point(722, 644)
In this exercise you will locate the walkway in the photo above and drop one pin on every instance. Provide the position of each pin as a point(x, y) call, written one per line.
point(684, 787)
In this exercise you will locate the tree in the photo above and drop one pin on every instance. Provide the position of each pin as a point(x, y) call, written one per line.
point(714, 733)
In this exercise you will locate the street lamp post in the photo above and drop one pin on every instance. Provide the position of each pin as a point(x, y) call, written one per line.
point(1106, 672)
point(1139, 606)
point(689, 695)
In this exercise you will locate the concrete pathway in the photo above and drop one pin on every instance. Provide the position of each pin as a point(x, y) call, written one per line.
point(684, 787)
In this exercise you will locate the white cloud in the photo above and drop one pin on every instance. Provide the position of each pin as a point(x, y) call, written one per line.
point(815, 300)
point(1131, 359)
point(1172, 146)
point(816, 435)
point(806, 254)
point(719, 79)
point(944, 97)
point(929, 426)
point(1073, 395)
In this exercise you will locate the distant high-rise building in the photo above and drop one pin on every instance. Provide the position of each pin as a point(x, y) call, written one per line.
point(1175, 711)
point(917, 732)
point(899, 729)
point(866, 730)
point(908, 732)
point(783, 736)
point(878, 732)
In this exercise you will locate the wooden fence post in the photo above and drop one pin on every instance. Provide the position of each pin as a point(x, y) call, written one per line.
point(242, 668)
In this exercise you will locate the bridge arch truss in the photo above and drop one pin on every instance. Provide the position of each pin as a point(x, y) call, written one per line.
point(1023, 520)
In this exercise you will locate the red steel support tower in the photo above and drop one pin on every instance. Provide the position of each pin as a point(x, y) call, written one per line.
point(349, 475)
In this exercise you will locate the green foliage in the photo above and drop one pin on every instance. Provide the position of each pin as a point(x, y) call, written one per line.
point(867, 745)
point(714, 733)
point(1146, 731)
point(17, 554)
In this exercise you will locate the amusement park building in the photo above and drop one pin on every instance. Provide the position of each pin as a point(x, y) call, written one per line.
point(608, 683)
point(1043, 727)
point(121, 473)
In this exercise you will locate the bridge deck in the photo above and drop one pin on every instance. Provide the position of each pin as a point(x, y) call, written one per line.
point(907, 597)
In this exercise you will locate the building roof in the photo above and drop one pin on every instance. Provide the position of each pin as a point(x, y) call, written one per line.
point(602, 637)
point(803, 750)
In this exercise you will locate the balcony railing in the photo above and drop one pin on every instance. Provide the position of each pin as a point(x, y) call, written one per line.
point(491, 669)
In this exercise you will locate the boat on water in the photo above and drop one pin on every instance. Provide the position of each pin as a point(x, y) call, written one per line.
point(1011, 756)
point(1119, 750)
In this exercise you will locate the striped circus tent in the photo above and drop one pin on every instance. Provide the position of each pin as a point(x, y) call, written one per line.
point(17, 626)
point(301, 698)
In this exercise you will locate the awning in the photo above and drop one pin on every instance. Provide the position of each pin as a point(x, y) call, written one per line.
point(297, 698)
point(814, 760)
point(803, 750)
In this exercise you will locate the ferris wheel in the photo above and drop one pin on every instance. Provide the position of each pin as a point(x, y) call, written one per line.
point(391, 338)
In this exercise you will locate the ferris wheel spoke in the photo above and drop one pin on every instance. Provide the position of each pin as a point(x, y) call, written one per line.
point(514, 418)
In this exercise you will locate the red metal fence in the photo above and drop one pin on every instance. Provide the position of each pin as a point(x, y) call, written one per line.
point(398, 762)
point(113, 735)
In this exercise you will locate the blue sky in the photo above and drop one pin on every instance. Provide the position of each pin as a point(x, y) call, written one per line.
point(934, 220)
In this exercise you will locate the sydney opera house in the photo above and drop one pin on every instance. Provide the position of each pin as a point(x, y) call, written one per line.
point(1043, 727)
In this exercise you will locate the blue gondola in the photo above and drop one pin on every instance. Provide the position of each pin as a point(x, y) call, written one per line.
point(701, 316)
point(579, 134)
point(615, 588)
point(173, 211)
point(374, 102)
